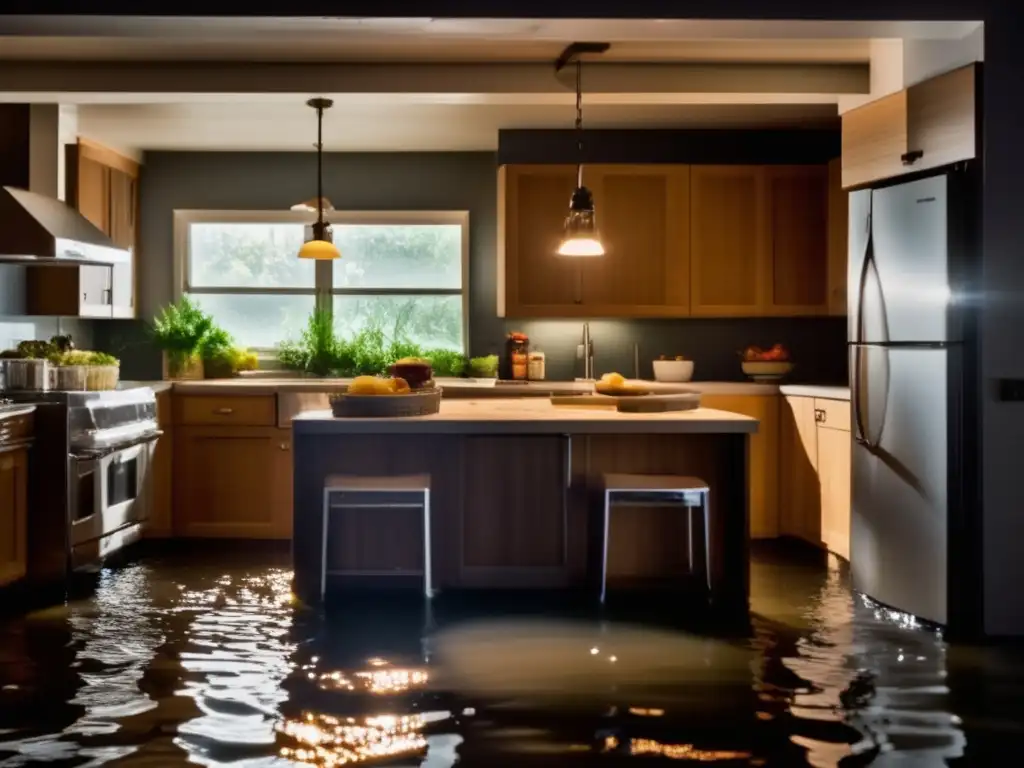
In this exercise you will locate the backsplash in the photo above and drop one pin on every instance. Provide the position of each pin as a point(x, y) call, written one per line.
point(817, 344)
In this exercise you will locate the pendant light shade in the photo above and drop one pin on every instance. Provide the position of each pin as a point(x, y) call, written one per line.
point(581, 237)
point(321, 247)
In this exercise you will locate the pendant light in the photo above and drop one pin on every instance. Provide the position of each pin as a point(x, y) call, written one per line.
point(321, 247)
point(581, 237)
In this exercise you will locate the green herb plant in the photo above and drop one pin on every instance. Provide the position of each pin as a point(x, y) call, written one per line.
point(484, 367)
point(180, 330)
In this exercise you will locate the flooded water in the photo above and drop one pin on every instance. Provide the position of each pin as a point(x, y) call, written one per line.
point(207, 660)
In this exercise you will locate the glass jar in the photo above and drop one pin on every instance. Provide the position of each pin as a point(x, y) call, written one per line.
point(536, 366)
point(517, 348)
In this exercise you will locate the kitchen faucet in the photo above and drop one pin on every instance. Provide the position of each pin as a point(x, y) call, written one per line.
point(586, 351)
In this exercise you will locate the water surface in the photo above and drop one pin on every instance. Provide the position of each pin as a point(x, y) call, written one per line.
point(207, 660)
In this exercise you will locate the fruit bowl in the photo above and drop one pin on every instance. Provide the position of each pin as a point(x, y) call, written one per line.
point(766, 370)
point(673, 370)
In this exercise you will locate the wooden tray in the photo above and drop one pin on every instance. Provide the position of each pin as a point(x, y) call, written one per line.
point(420, 403)
point(677, 401)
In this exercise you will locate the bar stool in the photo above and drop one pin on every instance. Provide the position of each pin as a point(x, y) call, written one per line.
point(657, 491)
point(401, 492)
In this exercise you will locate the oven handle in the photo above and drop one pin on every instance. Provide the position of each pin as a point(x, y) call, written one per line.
point(150, 437)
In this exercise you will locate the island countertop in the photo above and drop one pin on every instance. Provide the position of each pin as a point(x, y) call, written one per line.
point(529, 416)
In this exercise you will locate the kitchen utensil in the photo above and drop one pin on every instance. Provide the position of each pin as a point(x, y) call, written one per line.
point(673, 370)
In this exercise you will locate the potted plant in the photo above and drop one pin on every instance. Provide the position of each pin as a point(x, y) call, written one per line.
point(179, 330)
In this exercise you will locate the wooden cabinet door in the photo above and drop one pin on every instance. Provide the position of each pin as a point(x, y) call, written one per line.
point(13, 502)
point(799, 489)
point(834, 475)
point(798, 249)
point(838, 238)
point(533, 280)
point(941, 120)
point(874, 140)
point(228, 483)
point(728, 238)
point(122, 209)
point(643, 214)
point(91, 192)
point(514, 524)
point(763, 468)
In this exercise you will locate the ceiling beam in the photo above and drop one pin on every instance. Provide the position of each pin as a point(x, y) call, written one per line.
point(69, 78)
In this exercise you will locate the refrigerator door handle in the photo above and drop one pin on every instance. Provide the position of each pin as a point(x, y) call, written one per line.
point(859, 435)
point(863, 278)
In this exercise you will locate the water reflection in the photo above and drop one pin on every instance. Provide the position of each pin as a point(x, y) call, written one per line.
point(185, 661)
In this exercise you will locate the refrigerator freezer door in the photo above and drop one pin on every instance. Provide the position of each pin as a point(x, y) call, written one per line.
point(898, 530)
point(907, 297)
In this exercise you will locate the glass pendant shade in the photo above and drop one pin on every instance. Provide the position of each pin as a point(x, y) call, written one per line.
point(581, 236)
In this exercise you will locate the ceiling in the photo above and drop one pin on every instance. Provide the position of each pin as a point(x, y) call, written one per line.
point(371, 127)
point(110, 57)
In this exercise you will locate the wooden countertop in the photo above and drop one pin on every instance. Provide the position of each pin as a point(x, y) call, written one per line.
point(531, 417)
point(260, 385)
point(809, 390)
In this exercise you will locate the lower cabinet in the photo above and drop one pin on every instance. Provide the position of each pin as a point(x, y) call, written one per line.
point(763, 469)
point(814, 484)
point(13, 496)
point(233, 482)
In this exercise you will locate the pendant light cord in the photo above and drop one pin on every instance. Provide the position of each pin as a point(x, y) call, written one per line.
point(320, 168)
point(579, 122)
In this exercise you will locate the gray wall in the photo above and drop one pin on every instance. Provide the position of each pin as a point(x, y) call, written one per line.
point(433, 181)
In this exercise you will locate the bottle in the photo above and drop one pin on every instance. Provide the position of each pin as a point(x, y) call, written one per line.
point(517, 348)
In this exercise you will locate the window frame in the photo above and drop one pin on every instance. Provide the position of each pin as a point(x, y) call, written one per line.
point(323, 290)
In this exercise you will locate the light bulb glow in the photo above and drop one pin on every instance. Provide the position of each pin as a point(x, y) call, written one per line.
point(581, 245)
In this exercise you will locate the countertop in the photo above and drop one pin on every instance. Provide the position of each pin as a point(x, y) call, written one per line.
point(809, 390)
point(268, 385)
point(12, 411)
point(530, 416)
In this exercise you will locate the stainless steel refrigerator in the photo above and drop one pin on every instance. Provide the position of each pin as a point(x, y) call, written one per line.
point(909, 275)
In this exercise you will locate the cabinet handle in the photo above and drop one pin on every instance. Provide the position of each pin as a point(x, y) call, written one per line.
point(224, 411)
point(819, 415)
point(909, 158)
point(284, 446)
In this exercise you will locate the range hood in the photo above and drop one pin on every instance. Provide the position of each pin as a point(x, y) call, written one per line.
point(39, 230)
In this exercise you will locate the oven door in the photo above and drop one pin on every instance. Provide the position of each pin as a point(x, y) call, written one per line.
point(110, 499)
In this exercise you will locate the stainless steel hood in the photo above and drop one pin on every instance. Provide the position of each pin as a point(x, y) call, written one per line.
point(39, 230)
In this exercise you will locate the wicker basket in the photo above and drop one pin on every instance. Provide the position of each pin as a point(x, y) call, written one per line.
point(422, 403)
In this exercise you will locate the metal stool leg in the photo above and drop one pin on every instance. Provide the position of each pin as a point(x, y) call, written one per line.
point(428, 588)
point(323, 543)
point(689, 538)
point(707, 537)
point(604, 554)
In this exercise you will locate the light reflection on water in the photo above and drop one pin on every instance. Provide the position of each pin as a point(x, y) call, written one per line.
point(174, 662)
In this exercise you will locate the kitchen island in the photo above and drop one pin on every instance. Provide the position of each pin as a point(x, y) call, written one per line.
point(516, 495)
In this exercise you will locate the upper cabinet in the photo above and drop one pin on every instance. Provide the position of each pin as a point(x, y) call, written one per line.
point(926, 126)
point(103, 186)
point(700, 240)
point(641, 214)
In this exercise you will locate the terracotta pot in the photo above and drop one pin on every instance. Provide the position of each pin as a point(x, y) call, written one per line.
point(177, 368)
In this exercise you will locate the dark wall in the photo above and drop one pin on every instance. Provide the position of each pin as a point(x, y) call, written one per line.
point(434, 181)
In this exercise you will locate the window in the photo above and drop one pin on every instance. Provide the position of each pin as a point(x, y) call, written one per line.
point(404, 273)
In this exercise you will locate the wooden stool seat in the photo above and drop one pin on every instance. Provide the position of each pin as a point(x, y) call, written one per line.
point(621, 482)
point(394, 483)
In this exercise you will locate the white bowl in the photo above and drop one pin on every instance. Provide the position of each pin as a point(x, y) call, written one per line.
point(766, 370)
point(673, 370)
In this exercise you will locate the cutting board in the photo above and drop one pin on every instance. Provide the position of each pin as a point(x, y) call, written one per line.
point(678, 401)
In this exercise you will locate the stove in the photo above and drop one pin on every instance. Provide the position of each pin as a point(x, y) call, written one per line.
point(89, 483)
